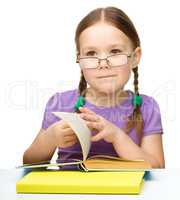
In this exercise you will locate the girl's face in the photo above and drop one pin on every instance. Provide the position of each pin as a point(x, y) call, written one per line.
point(101, 40)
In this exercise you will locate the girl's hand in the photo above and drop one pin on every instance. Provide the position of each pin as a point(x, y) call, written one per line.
point(63, 135)
point(106, 130)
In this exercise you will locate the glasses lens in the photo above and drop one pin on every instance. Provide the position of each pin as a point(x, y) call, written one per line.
point(118, 60)
point(88, 62)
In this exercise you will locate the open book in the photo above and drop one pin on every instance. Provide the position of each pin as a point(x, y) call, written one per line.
point(93, 163)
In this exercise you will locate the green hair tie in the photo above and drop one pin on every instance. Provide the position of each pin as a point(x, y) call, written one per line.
point(137, 100)
point(79, 102)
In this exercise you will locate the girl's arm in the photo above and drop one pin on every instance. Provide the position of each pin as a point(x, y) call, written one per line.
point(44, 145)
point(151, 149)
point(42, 148)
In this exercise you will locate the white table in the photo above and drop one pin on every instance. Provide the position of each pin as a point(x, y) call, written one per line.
point(161, 184)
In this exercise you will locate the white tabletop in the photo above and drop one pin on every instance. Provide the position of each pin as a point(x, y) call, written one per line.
point(161, 184)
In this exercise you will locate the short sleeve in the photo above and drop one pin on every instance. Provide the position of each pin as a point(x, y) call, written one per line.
point(152, 117)
point(53, 104)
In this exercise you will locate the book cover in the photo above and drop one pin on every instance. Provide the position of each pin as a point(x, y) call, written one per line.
point(77, 182)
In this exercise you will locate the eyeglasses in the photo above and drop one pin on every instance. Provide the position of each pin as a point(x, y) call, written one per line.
point(92, 62)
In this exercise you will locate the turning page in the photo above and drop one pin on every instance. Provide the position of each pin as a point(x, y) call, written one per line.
point(80, 128)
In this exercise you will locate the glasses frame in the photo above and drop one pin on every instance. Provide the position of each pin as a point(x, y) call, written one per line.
point(99, 59)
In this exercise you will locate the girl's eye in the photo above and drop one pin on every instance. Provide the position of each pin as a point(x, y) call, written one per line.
point(114, 51)
point(90, 53)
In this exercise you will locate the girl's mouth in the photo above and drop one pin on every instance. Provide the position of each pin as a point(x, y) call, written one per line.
point(108, 76)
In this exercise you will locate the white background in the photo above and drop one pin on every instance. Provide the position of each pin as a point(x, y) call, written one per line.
point(37, 59)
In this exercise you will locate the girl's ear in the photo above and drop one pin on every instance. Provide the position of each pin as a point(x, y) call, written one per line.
point(136, 57)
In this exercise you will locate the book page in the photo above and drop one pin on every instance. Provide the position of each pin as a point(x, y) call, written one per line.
point(111, 163)
point(101, 156)
point(50, 164)
point(80, 128)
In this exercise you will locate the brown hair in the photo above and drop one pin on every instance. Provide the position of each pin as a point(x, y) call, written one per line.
point(120, 20)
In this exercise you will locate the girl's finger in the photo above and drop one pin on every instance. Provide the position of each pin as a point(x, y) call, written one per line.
point(86, 110)
point(63, 124)
point(97, 137)
point(68, 131)
point(89, 117)
point(95, 125)
point(70, 137)
point(70, 143)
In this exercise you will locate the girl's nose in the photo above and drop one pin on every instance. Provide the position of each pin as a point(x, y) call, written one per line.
point(103, 63)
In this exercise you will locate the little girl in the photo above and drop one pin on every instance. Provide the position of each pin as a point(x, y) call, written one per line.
point(123, 123)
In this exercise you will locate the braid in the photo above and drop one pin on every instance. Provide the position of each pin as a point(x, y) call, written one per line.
point(136, 119)
point(136, 90)
point(82, 87)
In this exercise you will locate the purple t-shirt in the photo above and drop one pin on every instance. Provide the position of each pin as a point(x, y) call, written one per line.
point(64, 101)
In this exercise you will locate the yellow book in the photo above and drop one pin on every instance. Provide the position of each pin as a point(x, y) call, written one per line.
point(78, 182)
